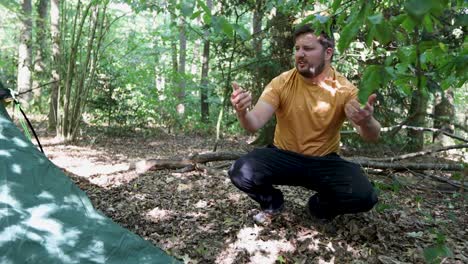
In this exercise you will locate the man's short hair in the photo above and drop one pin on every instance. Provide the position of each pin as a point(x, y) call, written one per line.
point(325, 40)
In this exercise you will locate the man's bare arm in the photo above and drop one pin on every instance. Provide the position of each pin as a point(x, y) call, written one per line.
point(254, 119)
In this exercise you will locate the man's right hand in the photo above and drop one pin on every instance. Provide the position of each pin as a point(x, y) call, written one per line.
point(241, 100)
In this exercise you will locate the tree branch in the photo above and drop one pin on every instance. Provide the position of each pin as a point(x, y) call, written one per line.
point(386, 163)
point(415, 154)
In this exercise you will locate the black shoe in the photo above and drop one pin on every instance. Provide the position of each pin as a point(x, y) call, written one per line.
point(265, 217)
point(320, 219)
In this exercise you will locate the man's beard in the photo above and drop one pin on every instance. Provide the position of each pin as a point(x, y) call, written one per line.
point(312, 72)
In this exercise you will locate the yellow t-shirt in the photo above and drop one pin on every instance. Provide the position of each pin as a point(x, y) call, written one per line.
point(308, 117)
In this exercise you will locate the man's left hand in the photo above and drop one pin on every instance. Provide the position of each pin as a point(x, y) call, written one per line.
point(360, 116)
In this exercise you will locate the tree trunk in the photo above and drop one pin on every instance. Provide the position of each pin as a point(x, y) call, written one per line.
point(418, 111)
point(281, 28)
point(55, 67)
point(258, 48)
point(182, 61)
point(40, 50)
point(418, 105)
point(175, 62)
point(86, 72)
point(204, 90)
point(65, 128)
point(444, 115)
point(24, 52)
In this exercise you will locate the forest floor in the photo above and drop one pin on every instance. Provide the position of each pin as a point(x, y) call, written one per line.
point(202, 218)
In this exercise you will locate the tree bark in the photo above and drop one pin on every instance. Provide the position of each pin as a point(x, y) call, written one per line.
point(444, 113)
point(54, 88)
point(39, 64)
point(419, 102)
point(65, 128)
point(204, 88)
point(24, 78)
point(257, 45)
point(182, 61)
point(193, 160)
point(281, 28)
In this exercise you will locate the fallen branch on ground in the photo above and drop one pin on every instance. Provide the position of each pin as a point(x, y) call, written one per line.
point(190, 163)
point(416, 154)
point(454, 183)
point(426, 129)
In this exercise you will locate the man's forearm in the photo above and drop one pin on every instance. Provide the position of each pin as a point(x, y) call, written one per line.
point(370, 131)
point(247, 121)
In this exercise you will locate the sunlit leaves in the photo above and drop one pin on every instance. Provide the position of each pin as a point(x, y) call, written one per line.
point(418, 8)
point(11, 5)
point(221, 24)
point(186, 8)
point(243, 33)
point(372, 78)
point(204, 7)
point(336, 4)
point(350, 31)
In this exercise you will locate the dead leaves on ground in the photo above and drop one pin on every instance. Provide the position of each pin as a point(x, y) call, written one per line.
point(202, 218)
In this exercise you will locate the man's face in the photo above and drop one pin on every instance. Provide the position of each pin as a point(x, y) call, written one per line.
point(309, 55)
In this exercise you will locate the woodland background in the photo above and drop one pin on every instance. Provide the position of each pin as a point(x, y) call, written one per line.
point(116, 69)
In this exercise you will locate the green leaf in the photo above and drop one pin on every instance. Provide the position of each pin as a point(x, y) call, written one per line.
point(408, 24)
point(196, 14)
point(207, 19)
point(11, 5)
point(391, 72)
point(371, 80)
point(348, 34)
point(443, 47)
point(335, 5)
point(204, 7)
point(405, 84)
point(418, 8)
point(384, 33)
point(376, 19)
point(227, 27)
point(434, 253)
point(427, 22)
point(243, 33)
point(281, 259)
point(352, 28)
point(186, 8)
point(370, 36)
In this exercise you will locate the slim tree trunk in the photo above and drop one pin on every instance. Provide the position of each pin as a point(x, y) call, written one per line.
point(444, 115)
point(39, 64)
point(72, 71)
point(175, 62)
point(257, 45)
point(418, 111)
point(418, 105)
point(204, 90)
point(24, 52)
point(54, 87)
point(281, 32)
point(182, 61)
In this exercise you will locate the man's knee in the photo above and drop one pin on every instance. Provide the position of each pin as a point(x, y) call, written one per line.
point(369, 201)
point(238, 172)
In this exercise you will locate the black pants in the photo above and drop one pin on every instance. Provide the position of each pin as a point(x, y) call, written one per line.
point(341, 186)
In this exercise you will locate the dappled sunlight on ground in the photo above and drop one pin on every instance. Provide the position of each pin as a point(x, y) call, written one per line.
point(260, 251)
point(202, 218)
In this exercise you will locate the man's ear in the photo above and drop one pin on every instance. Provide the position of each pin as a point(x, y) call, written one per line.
point(328, 53)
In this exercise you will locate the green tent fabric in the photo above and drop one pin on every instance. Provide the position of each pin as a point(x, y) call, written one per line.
point(46, 218)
